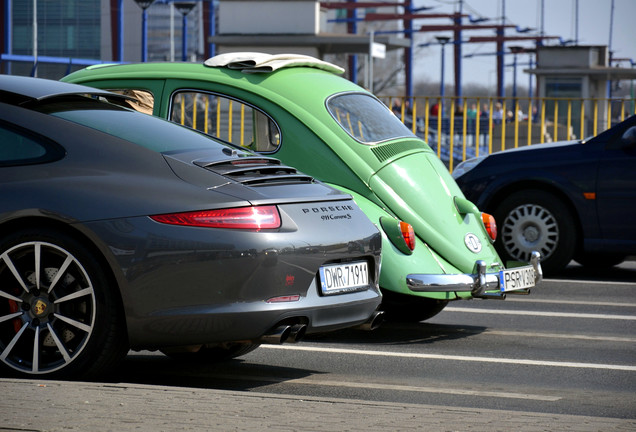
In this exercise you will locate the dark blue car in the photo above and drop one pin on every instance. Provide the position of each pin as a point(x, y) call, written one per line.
point(567, 200)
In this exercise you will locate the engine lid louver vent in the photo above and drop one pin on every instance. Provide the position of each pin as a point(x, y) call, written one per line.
point(387, 151)
point(256, 171)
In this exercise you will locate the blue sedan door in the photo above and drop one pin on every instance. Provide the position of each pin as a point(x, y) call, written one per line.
point(616, 190)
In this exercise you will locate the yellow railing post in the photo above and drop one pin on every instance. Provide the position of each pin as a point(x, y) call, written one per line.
point(194, 110)
point(218, 117)
point(451, 135)
point(490, 129)
point(582, 134)
point(595, 125)
point(242, 142)
point(542, 121)
point(530, 120)
point(439, 128)
point(516, 117)
point(426, 113)
point(464, 107)
point(503, 126)
point(569, 122)
point(477, 118)
point(414, 116)
point(555, 120)
point(205, 120)
point(229, 120)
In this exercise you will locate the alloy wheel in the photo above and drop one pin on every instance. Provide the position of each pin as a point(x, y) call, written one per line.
point(47, 307)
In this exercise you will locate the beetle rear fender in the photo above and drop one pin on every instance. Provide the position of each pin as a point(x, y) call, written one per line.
point(397, 265)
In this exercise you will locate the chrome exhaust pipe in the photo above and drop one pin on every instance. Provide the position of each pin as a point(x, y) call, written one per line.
point(373, 322)
point(297, 333)
point(277, 336)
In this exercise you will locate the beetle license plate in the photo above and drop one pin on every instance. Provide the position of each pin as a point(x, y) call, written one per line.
point(516, 278)
point(337, 278)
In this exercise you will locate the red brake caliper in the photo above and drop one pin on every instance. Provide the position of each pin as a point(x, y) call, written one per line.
point(13, 307)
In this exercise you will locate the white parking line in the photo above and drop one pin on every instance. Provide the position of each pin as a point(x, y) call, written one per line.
point(454, 357)
point(395, 387)
point(559, 336)
point(541, 313)
point(570, 302)
point(588, 282)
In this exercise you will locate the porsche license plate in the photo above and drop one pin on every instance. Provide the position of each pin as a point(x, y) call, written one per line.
point(516, 278)
point(337, 278)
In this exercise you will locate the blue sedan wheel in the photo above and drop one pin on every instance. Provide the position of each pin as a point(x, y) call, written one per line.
point(535, 220)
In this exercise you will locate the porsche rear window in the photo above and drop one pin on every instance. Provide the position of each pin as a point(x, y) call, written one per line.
point(142, 129)
point(365, 118)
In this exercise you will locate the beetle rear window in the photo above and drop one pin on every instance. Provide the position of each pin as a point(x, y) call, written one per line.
point(365, 118)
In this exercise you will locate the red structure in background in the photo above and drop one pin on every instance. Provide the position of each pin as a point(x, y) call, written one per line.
point(457, 27)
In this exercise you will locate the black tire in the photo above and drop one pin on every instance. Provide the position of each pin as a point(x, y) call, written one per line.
point(212, 354)
point(407, 308)
point(68, 324)
point(599, 260)
point(530, 220)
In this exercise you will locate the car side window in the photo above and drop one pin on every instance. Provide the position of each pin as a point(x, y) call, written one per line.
point(227, 119)
point(145, 101)
point(21, 148)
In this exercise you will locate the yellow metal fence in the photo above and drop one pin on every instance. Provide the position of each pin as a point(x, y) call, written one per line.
point(457, 129)
point(462, 128)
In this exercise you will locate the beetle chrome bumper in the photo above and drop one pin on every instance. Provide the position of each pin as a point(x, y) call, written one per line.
point(476, 283)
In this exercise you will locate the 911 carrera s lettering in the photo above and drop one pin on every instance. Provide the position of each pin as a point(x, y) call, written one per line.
point(334, 217)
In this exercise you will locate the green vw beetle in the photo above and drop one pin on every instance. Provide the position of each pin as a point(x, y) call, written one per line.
point(437, 246)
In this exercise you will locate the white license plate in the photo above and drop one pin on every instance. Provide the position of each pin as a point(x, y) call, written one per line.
point(338, 278)
point(516, 278)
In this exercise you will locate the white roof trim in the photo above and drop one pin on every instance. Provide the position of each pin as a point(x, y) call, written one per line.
point(255, 62)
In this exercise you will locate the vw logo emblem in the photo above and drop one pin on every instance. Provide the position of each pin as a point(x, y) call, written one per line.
point(472, 243)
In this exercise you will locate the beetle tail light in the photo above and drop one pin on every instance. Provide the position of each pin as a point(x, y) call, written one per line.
point(490, 224)
point(400, 233)
point(256, 218)
point(408, 234)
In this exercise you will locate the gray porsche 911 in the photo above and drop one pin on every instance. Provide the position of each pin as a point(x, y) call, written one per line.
point(119, 231)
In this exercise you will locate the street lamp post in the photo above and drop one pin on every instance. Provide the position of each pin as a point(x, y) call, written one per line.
point(443, 40)
point(515, 50)
point(184, 8)
point(144, 4)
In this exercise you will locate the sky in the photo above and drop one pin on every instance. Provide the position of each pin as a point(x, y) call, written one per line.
point(558, 20)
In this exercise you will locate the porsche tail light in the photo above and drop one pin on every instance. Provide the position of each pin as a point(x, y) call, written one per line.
point(257, 217)
point(490, 224)
point(408, 234)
